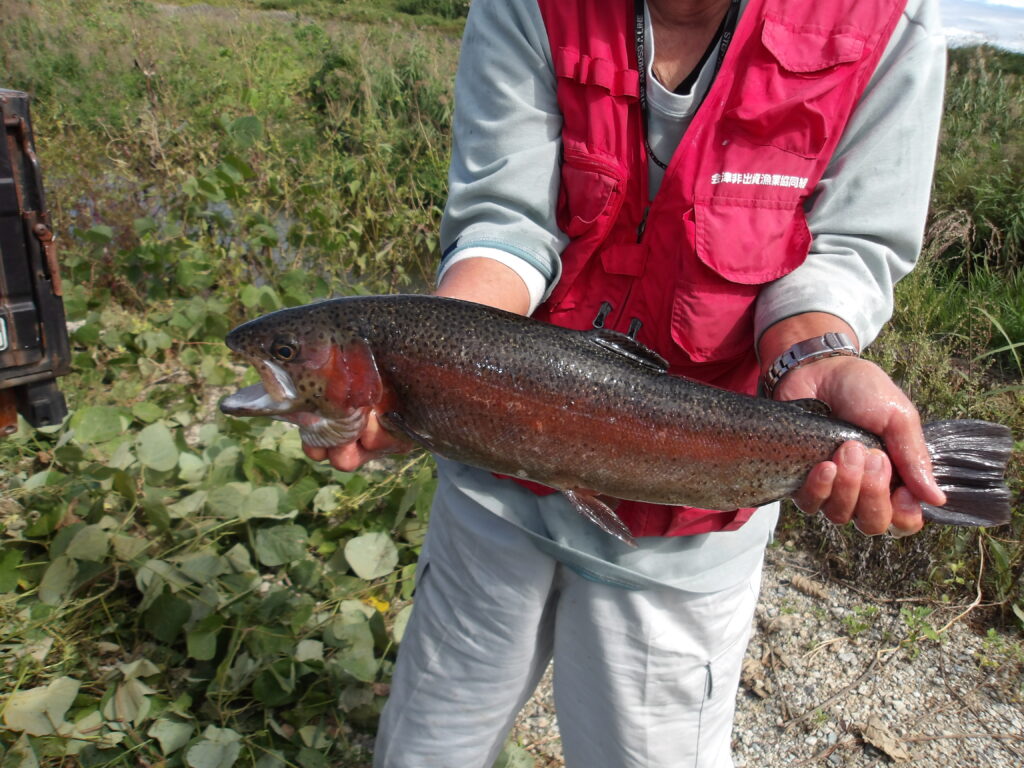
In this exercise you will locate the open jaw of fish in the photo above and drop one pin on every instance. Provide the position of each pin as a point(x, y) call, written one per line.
point(573, 410)
point(277, 397)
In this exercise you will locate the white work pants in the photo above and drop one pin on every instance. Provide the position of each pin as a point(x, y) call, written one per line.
point(642, 679)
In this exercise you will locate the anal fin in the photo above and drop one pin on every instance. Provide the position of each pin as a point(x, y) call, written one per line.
point(600, 514)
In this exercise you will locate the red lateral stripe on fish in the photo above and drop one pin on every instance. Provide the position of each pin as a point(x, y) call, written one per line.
point(567, 409)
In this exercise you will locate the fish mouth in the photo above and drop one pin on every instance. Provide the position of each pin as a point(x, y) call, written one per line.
point(275, 395)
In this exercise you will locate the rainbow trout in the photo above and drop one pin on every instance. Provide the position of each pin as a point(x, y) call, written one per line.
point(573, 410)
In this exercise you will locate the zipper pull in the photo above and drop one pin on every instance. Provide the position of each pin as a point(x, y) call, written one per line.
point(643, 225)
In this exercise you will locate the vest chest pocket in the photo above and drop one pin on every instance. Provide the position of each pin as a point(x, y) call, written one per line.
point(740, 245)
point(796, 87)
point(590, 194)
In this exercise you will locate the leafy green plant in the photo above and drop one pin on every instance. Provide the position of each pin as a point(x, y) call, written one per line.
point(918, 628)
point(860, 619)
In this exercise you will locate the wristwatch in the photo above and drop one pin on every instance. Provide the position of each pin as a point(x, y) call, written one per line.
point(804, 352)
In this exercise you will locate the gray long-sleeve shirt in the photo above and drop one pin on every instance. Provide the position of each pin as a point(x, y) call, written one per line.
point(866, 217)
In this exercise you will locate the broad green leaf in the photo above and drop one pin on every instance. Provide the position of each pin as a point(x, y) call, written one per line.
point(401, 622)
point(10, 559)
point(99, 423)
point(166, 616)
point(43, 479)
point(138, 668)
point(130, 702)
point(90, 543)
point(238, 558)
point(250, 296)
point(228, 501)
point(328, 498)
point(271, 759)
point(191, 468)
point(262, 503)
point(242, 168)
point(514, 756)
point(371, 555)
point(154, 341)
point(413, 530)
point(313, 736)
point(311, 758)
point(202, 566)
point(275, 465)
point(202, 639)
point(84, 731)
point(355, 648)
point(159, 572)
point(57, 579)
point(219, 748)
point(280, 544)
point(127, 548)
point(144, 225)
point(302, 492)
point(245, 131)
point(156, 448)
point(124, 484)
point(309, 650)
point(21, 755)
point(173, 734)
point(40, 711)
point(100, 234)
point(147, 411)
point(187, 505)
point(275, 685)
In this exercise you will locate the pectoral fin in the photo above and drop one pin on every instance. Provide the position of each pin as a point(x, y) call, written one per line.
point(393, 422)
point(600, 514)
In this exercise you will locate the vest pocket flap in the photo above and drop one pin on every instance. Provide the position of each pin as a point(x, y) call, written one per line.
point(809, 48)
point(589, 70)
point(624, 259)
point(590, 194)
point(750, 242)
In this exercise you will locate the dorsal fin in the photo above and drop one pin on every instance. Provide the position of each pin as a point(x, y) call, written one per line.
point(811, 405)
point(631, 349)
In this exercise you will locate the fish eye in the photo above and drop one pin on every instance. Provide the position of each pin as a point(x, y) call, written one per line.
point(284, 348)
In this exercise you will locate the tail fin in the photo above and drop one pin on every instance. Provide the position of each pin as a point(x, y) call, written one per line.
point(969, 459)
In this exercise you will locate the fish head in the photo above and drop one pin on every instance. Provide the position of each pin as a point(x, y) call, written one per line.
point(312, 373)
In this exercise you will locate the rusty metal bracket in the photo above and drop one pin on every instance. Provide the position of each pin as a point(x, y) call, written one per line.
point(8, 413)
point(45, 237)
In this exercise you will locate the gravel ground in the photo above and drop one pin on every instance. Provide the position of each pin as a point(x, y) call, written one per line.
point(837, 677)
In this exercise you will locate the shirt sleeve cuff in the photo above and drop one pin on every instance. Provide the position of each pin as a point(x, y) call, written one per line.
point(535, 281)
point(774, 305)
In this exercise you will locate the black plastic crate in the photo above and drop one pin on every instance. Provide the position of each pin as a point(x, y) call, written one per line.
point(34, 348)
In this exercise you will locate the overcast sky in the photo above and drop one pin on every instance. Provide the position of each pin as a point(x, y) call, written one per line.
point(1000, 22)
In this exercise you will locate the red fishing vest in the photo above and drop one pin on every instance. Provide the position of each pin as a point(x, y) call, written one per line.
point(728, 217)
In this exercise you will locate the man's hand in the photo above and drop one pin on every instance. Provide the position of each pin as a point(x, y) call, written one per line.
point(855, 485)
point(373, 442)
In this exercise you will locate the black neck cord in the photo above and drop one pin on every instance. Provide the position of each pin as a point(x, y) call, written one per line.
point(724, 36)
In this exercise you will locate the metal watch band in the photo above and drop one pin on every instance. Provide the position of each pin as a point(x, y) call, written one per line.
point(807, 351)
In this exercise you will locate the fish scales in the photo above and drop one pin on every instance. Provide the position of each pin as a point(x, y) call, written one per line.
point(569, 409)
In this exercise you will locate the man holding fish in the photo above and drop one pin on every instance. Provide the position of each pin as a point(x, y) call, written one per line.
point(736, 184)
